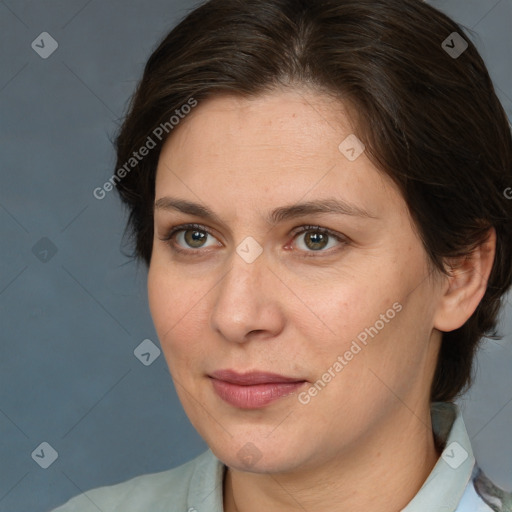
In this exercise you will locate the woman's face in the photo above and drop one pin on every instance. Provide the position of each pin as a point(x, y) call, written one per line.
point(340, 302)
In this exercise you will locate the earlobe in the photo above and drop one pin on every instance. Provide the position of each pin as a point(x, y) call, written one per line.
point(465, 286)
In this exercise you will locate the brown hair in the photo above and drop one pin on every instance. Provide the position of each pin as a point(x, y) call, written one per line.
point(429, 119)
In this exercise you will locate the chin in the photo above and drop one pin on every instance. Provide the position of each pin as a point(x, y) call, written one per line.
point(259, 457)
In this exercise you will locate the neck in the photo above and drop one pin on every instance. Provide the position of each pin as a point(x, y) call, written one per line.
point(385, 471)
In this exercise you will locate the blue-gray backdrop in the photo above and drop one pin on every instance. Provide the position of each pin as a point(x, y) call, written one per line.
point(73, 308)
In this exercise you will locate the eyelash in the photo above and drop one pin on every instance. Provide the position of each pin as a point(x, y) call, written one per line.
point(198, 227)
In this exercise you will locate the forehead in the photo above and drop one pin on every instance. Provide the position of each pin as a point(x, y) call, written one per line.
point(286, 144)
point(281, 119)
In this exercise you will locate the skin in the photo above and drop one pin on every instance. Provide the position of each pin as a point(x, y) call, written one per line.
point(365, 439)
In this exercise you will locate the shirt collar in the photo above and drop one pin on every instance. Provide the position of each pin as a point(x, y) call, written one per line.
point(447, 481)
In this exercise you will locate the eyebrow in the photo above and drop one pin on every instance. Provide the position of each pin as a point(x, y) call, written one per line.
point(332, 206)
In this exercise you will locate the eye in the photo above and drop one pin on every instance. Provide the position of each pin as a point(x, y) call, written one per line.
point(194, 238)
point(190, 237)
point(317, 239)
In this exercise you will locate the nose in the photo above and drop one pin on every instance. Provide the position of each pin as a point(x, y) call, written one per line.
point(247, 304)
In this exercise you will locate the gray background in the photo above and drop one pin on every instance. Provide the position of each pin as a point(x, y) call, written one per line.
point(71, 320)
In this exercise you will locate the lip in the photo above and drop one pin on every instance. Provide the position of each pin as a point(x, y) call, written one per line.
point(253, 390)
point(254, 377)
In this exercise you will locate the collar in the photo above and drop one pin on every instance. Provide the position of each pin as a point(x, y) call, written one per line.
point(444, 487)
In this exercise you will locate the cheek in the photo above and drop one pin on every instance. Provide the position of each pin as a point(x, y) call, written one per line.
point(371, 321)
point(177, 306)
point(339, 311)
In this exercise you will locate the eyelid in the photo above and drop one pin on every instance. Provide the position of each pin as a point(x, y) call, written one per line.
point(186, 227)
point(321, 229)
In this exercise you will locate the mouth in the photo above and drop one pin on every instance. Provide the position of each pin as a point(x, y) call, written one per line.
point(253, 390)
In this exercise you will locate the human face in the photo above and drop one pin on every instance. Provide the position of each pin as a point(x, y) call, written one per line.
point(305, 302)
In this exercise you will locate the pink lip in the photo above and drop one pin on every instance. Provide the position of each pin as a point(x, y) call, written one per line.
point(252, 390)
point(246, 379)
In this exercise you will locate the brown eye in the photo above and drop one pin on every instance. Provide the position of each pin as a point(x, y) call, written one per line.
point(195, 238)
point(190, 238)
point(315, 240)
point(310, 239)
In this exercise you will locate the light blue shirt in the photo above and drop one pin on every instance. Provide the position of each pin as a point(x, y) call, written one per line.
point(455, 484)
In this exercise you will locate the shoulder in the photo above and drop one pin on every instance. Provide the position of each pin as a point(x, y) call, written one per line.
point(481, 495)
point(154, 491)
point(497, 499)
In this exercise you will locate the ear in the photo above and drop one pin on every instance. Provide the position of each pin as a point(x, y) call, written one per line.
point(464, 288)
